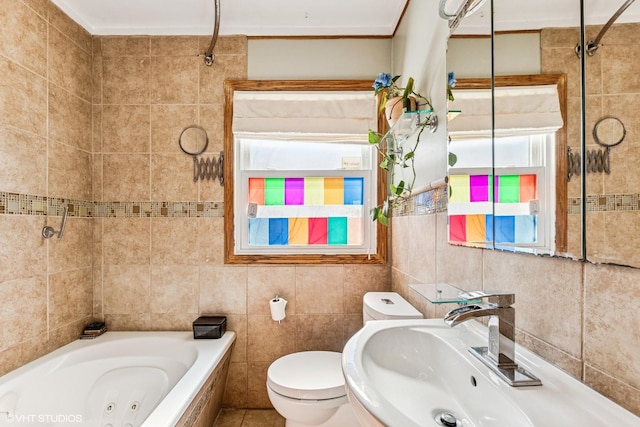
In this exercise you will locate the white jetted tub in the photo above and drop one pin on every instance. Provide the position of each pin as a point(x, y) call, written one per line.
point(128, 379)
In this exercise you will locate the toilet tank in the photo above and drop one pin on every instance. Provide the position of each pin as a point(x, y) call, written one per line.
point(387, 306)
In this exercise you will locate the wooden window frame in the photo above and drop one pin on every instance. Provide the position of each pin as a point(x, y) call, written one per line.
point(560, 80)
point(230, 257)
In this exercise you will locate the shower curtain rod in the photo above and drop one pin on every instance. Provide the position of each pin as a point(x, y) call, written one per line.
point(592, 45)
point(208, 56)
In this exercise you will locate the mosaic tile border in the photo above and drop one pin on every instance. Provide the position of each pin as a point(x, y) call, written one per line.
point(429, 202)
point(607, 203)
point(435, 201)
point(613, 202)
point(27, 204)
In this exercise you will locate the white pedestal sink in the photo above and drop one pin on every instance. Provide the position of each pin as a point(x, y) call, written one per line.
point(405, 373)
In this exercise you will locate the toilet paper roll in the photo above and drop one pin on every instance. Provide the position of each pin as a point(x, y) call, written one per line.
point(277, 308)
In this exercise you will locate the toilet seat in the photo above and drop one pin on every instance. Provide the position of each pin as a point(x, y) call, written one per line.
point(308, 375)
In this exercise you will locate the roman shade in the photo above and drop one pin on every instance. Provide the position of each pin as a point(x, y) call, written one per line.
point(340, 112)
point(519, 110)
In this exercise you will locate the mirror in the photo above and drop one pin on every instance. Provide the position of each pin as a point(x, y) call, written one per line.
point(534, 37)
point(613, 97)
point(526, 47)
point(193, 140)
point(469, 57)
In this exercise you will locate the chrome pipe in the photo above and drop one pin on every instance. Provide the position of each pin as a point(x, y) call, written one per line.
point(592, 45)
point(208, 56)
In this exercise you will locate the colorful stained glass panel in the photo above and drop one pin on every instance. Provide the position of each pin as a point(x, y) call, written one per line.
point(337, 231)
point(298, 231)
point(528, 188)
point(278, 231)
point(355, 234)
point(259, 231)
point(307, 211)
point(525, 229)
point(479, 188)
point(509, 189)
point(313, 191)
point(505, 229)
point(317, 231)
point(459, 189)
point(334, 191)
point(476, 228)
point(457, 228)
point(274, 191)
point(294, 191)
point(256, 190)
point(353, 191)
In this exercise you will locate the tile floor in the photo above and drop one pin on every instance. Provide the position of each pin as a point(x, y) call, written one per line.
point(249, 418)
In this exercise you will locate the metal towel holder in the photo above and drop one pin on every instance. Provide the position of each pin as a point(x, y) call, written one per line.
point(48, 231)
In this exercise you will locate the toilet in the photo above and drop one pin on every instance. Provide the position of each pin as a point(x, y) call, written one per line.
point(308, 388)
point(387, 306)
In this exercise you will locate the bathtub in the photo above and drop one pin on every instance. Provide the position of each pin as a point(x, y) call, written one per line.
point(147, 379)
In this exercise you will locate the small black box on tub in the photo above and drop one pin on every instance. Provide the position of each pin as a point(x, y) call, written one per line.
point(209, 327)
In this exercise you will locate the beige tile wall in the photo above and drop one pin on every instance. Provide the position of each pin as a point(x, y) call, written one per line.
point(161, 273)
point(581, 317)
point(97, 119)
point(45, 150)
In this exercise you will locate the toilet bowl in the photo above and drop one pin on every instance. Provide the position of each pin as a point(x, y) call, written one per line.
point(308, 389)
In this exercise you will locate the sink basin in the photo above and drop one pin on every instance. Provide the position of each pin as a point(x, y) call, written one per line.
point(409, 372)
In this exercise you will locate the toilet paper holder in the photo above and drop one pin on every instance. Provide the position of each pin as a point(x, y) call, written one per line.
point(277, 306)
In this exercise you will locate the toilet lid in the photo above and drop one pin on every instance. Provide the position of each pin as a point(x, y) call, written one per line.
point(312, 375)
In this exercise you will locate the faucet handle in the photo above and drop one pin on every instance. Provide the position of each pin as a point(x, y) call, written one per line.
point(500, 298)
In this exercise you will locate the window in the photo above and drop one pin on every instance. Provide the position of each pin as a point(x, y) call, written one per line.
point(511, 202)
point(304, 196)
point(508, 188)
point(303, 175)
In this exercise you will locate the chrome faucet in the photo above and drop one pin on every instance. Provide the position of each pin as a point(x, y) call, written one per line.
point(499, 354)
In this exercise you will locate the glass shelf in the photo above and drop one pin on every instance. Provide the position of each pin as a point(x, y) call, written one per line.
point(408, 123)
point(443, 293)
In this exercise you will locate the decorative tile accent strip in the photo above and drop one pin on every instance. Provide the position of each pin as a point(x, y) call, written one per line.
point(429, 202)
point(612, 202)
point(574, 206)
point(435, 201)
point(606, 203)
point(27, 204)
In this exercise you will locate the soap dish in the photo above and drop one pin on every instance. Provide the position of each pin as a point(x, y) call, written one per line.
point(93, 330)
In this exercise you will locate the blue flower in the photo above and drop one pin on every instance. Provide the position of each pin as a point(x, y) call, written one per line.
point(451, 84)
point(385, 86)
point(383, 80)
point(452, 79)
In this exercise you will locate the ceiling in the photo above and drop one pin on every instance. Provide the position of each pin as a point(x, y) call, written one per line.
point(320, 17)
point(510, 15)
point(249, 17)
